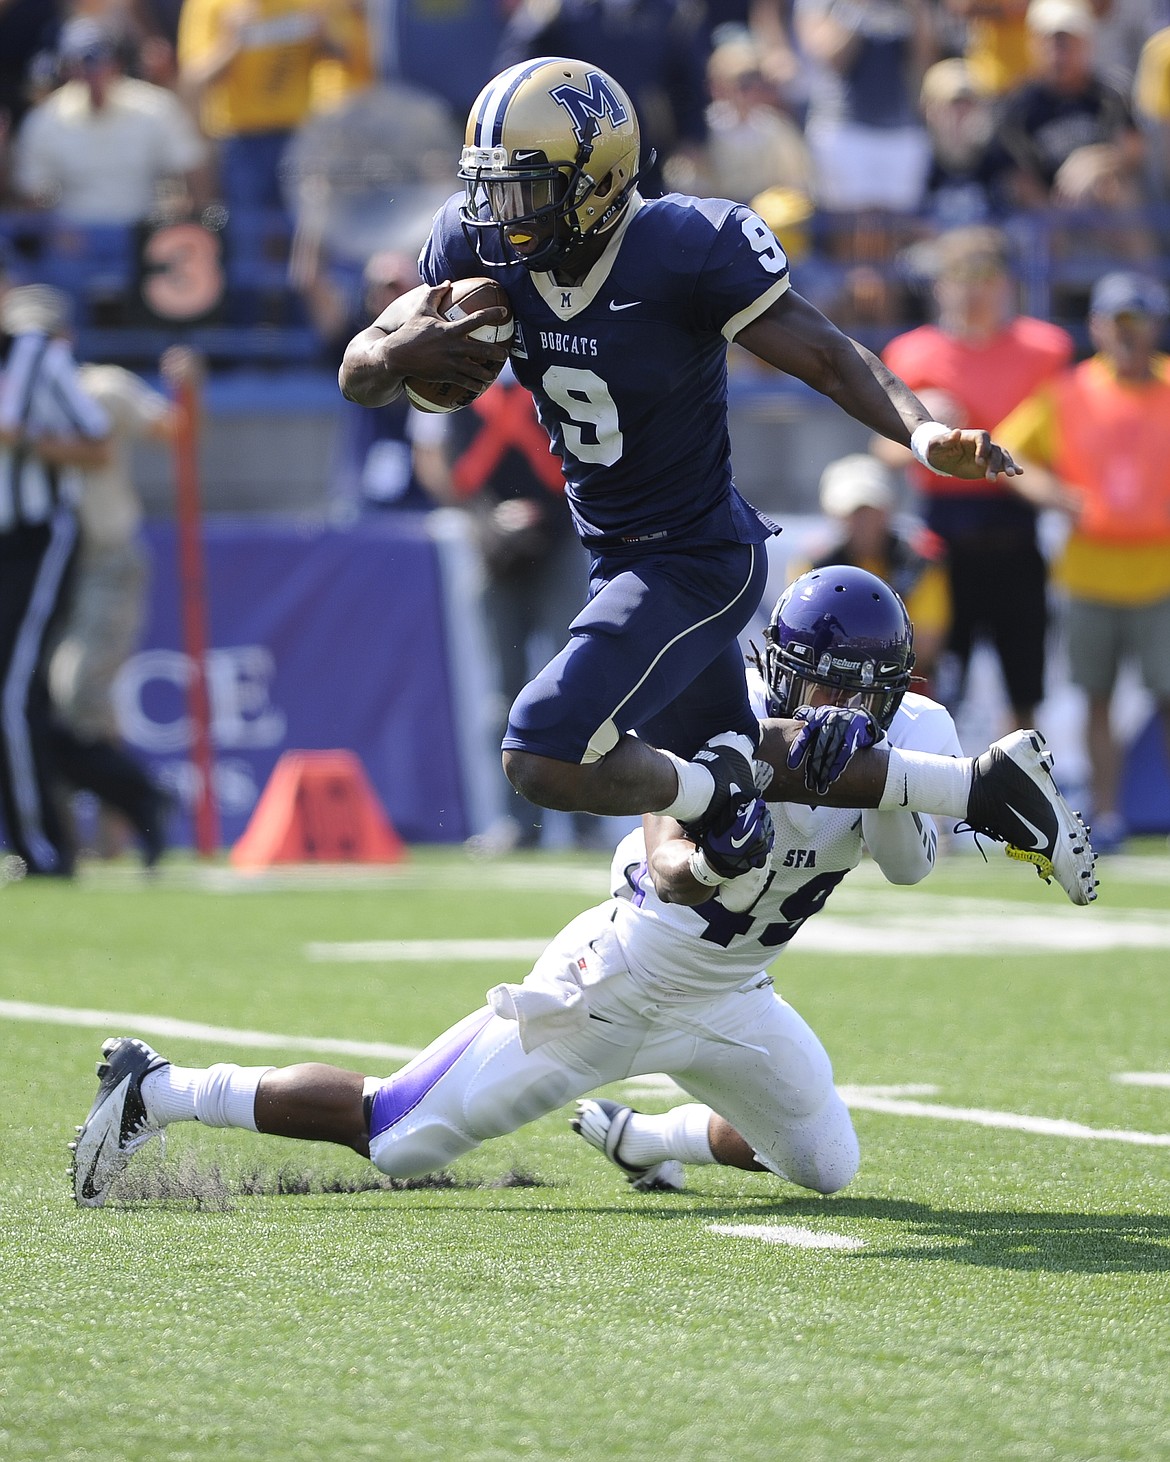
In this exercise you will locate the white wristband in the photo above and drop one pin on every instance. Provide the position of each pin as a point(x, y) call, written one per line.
point(702, 871)
point(926, 433)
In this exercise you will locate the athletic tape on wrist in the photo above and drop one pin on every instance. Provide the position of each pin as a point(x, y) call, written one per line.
point(702, 871)
point(921, 439)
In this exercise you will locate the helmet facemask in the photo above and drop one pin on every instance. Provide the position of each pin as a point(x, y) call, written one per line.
point(550, 162)
point(858, 647)
point(790, 684)
point(503, 197)
point(548, 197)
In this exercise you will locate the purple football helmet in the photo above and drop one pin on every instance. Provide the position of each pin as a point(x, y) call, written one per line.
point(844, 628)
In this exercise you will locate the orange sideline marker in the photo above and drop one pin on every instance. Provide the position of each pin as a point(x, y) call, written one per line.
point(318, 807)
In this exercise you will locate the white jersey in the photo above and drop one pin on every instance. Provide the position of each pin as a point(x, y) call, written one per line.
point(706, 948)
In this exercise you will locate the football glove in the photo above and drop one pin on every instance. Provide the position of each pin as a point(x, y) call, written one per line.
point(827, 740)
point(736, 847)
point(728, 758)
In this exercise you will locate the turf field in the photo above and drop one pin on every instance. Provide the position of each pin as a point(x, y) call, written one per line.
point(998, 1285)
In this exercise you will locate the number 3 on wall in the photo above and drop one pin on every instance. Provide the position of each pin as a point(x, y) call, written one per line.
point(182, 272)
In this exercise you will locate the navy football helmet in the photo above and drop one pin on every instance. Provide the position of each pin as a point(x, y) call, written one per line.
point(844, 628)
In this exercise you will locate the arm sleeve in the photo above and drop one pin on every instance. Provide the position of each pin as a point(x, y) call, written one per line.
point(905, 844)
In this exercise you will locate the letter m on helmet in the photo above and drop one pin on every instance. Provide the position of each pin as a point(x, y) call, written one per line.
point(587, 108)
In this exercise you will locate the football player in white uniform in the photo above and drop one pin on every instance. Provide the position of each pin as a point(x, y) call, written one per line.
point(669, 973)
point(838, 638)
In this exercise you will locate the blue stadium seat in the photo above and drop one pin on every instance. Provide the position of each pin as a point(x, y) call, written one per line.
point(262, 321)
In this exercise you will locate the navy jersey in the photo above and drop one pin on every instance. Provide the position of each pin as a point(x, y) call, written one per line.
point(629, 368)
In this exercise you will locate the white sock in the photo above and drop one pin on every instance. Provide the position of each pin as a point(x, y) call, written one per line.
point(218, 1096)
point(169, 1094)
point(680, 1133)
point(696, 787)
point(923, 782)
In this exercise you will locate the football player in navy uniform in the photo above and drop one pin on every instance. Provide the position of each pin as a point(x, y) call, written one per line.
point(624, 307)
point(669, 973)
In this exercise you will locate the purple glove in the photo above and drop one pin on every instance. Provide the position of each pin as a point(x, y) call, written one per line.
point(826, 742)
point(741, 845)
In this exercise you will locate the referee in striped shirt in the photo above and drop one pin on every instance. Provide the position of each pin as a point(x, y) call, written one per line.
point(49, 431)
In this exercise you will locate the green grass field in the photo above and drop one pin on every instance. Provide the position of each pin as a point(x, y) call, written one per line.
point(1010, 1297)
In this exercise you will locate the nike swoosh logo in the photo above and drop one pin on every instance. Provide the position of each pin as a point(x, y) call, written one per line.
point(87, 1188)
point(905, 792)
point(1041, 840)
point(739, 842)
point(630, 306)
point(734, 789)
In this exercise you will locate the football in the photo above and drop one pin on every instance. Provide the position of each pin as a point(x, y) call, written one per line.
point(464, 298)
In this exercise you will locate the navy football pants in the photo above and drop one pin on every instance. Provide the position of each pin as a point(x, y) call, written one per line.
point(653, 651)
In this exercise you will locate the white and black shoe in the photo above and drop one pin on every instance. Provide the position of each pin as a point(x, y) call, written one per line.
point(117, 1125)
point(602, 1123)
point(1014, 799)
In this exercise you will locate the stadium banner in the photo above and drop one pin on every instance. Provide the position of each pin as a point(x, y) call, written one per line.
point(1145, 782)
point(321, 637)
point(370, 637)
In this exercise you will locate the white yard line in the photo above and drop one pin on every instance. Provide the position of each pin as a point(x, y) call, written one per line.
point(659, 1085)
point(786, 1233)
point(938, 926)
point(656, 1084)
point(996, 931)
point(546, 871)
point(519, 877)
point(1143, 1078)
point(392, 951)
point(1133, 869)
point(904, 1089)
point(862, 1099)
point(114, 1022)
point(894, 1101)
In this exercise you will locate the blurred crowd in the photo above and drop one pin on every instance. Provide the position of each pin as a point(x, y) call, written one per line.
point(249, 145)
point(978, 189)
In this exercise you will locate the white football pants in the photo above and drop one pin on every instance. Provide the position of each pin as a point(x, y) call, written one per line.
point(746, 1053)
